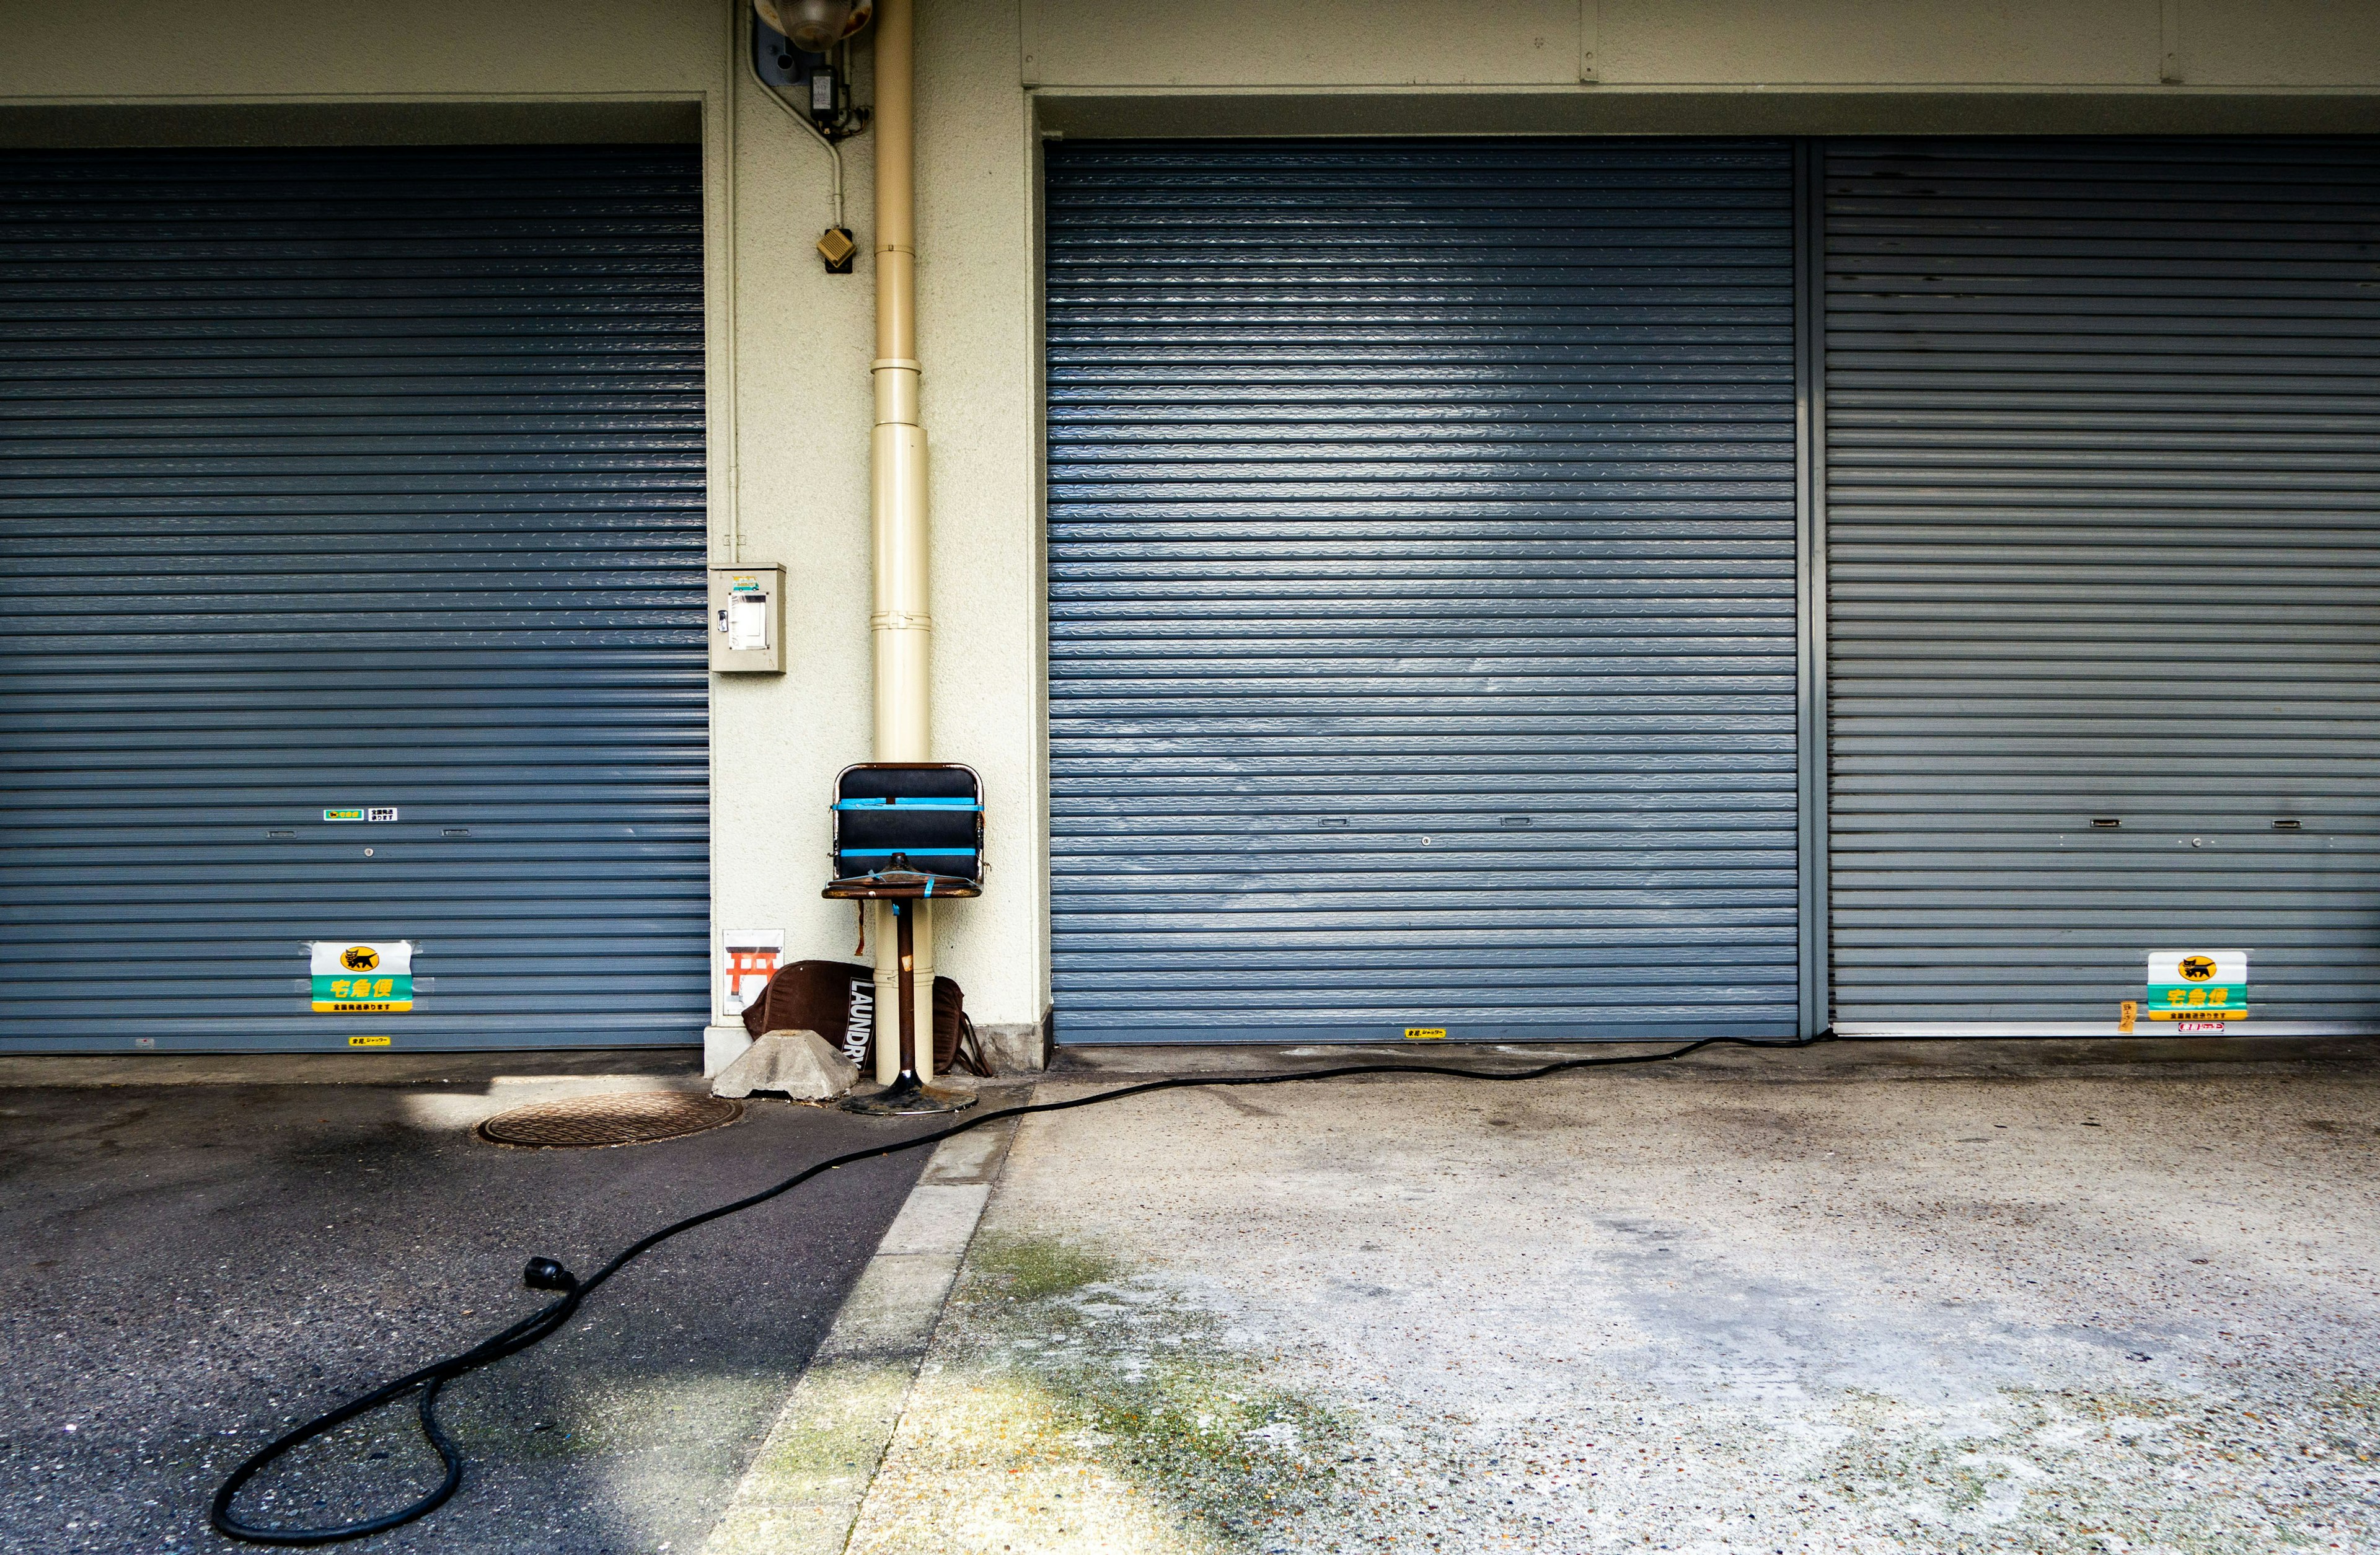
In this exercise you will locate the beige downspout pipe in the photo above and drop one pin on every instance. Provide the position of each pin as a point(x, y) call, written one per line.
point(899, 625)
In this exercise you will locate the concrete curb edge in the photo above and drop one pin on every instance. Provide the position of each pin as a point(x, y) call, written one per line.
point(801, 1494)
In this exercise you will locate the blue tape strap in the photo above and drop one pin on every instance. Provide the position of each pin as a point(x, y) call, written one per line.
point(907, 805)
point(912, 852)
point(879, 875)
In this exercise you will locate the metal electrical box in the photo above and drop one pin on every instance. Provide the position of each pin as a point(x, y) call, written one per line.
point(748, 620)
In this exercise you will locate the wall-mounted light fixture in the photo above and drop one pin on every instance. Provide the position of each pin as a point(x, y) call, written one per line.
point(816, 26)
point(799, 57)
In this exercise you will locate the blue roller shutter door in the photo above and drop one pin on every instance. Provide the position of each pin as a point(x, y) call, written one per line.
point(340, 478)
point(2103, 475)
point(1421, 588)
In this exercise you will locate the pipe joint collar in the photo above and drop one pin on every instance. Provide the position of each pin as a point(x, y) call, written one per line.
point(897, 364)
point(900, 621)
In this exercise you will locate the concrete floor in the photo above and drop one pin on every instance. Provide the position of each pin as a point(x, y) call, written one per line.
point(1866, 1297)
point(194, 1252)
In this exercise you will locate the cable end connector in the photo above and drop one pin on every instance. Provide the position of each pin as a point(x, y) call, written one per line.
point(545, 1274)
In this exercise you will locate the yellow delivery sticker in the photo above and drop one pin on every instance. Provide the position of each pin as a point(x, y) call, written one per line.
point(357, 980)
point(2196, 985)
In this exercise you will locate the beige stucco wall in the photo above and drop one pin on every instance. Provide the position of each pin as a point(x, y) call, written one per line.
point(790, 345)
point(1625, 43)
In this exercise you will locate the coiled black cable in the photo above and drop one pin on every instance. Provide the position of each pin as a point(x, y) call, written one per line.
point(543, 1273)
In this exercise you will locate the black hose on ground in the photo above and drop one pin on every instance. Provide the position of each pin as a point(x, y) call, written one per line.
point(545, 1274)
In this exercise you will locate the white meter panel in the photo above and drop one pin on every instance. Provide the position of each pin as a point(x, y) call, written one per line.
point(748, 620)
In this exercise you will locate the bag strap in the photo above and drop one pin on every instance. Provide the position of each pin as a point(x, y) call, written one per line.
point(969, 1054)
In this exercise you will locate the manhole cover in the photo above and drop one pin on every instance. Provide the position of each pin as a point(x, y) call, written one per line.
point(610, 1118)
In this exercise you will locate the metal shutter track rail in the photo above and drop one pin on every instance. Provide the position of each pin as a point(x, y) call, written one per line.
point(352, 478)
point(1421, 588)
point(2102, 483)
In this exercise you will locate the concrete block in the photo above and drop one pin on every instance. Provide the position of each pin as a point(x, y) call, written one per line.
point(722, 1045)
point(1015, 1048)
point(801, 1064)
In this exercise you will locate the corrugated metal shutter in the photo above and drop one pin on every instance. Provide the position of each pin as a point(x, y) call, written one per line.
point(352, 478)
point(1422, 594)
point(2103, 477)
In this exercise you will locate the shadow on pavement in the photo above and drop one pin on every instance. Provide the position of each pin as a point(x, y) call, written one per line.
point(189, 1268)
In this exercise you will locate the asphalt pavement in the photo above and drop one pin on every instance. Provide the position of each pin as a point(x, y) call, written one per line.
point(189, 1268)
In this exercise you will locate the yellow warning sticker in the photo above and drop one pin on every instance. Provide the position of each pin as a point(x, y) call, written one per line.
point(1425, 1034)
point(368, 1041)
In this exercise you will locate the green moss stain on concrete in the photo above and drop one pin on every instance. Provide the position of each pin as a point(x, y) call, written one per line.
point(1072, 1402)
point(1036, 1268)
point(1231, 1451)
